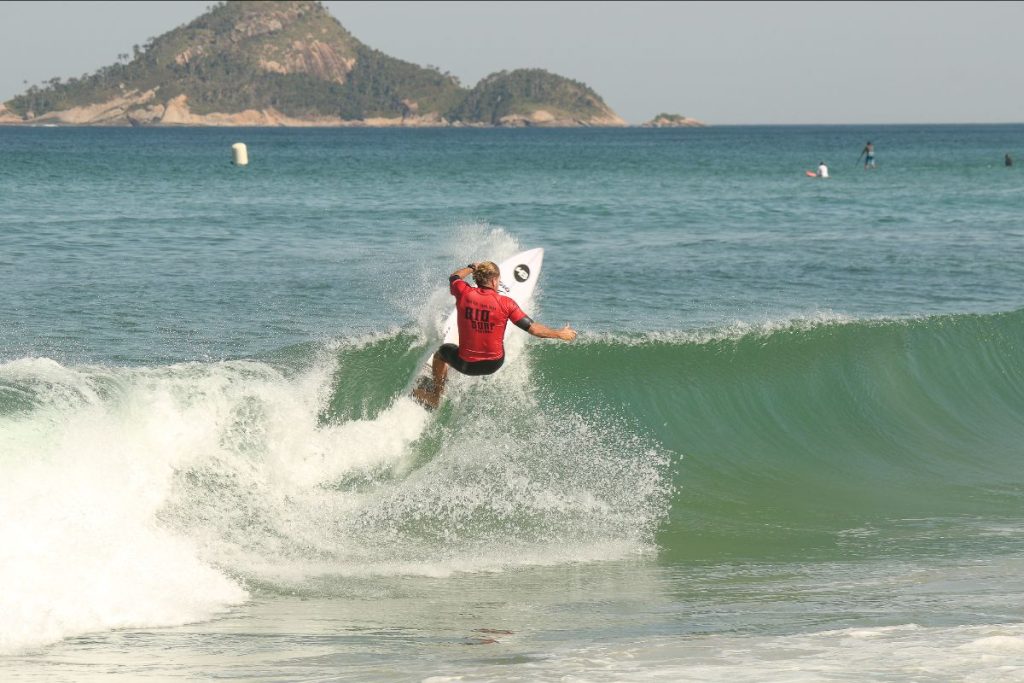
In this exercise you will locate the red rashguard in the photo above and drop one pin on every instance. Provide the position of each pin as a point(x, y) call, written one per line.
point(482, 315)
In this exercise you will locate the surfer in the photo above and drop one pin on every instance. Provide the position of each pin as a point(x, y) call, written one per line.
point(483, 315)
point(822, 170)
point(1008, 160)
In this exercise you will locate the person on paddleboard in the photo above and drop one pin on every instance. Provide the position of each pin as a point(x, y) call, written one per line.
point(869, 155)
point(483, 314)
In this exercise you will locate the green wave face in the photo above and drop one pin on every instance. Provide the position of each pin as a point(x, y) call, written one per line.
point(789, 439)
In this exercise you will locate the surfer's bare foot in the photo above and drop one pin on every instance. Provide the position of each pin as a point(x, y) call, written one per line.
point(426, 394)
point(425, 398)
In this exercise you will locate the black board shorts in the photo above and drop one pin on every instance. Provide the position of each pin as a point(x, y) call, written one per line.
point(450, 353)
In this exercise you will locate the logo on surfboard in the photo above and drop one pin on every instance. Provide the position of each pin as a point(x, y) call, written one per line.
point(521, 272)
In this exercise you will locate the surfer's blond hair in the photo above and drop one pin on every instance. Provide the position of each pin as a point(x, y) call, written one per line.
point(485, 271)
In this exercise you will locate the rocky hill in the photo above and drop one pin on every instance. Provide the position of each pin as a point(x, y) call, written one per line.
point(292, 63)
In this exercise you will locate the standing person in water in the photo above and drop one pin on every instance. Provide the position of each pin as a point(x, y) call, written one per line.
point(869, 155)
point(483, 316)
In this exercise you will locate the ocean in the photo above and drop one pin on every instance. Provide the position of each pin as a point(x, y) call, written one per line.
point(788, 444)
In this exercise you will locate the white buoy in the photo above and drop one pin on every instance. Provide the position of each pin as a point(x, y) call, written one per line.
point(240, 154)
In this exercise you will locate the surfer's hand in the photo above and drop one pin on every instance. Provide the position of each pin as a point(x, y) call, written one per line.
point(567, 333)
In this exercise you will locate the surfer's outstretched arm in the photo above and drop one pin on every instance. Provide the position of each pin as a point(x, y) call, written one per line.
point(544, 332)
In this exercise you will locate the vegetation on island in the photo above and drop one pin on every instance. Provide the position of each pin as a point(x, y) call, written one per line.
point(295, 58)
point(525, 91)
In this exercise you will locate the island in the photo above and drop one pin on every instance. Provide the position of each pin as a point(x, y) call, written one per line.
point(282, 63)
point(673, 121)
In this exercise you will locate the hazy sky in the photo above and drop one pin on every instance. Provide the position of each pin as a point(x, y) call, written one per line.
point(724, 63)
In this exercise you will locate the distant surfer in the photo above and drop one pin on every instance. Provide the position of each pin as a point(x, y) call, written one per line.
point(869, 155)
point(482, 316)
point(822, 170)
point(1008, 160)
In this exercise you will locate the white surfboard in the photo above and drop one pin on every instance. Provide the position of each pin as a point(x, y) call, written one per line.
point(519, 275)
